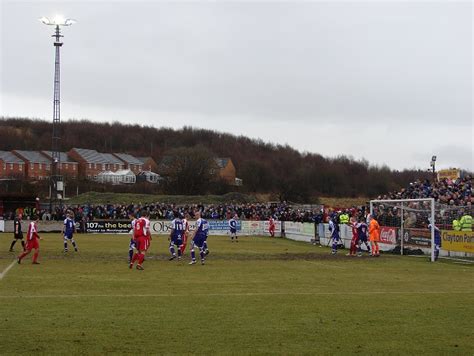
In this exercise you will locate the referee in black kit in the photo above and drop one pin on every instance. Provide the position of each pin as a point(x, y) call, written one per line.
point(17, 233)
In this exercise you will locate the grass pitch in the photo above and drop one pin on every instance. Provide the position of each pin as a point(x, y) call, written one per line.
point(257, 296)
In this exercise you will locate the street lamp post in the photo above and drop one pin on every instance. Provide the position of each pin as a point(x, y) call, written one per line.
point(433, 166)
point(56, 180)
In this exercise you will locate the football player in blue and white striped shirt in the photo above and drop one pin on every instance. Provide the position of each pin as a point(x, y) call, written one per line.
point(233, 228)
point(176, 236)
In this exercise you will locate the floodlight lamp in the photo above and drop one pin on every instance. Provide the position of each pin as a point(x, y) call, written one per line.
point(433, 158)
point(57, 21)
point(45, 20)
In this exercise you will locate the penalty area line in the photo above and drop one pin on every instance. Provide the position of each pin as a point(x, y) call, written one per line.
point(231, 294)
point(5, 271)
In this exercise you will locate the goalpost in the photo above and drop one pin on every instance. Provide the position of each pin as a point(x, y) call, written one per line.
point(404, 224)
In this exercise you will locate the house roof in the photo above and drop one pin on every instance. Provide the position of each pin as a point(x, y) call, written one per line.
point(222, 162)
point(129, 159)
point(144, 159)
point(148, 173)
point(63, 157)
point(9, 157)
point(92, 156)
point(110, 158)
point(33, 156)
point(121, 172)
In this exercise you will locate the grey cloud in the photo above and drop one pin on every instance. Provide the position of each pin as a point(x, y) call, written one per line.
point(296, 63)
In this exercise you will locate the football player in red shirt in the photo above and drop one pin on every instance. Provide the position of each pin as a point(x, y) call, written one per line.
point(142, 237)
point(355, 238)
point(32, 241)
point(271, 227)
point(186, 233)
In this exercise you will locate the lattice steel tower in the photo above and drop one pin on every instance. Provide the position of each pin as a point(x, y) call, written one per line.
point(56, 180)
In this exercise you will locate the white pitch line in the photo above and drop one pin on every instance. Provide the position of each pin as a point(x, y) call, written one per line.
point(5, 271)
point(227, 294)
point(456, 259)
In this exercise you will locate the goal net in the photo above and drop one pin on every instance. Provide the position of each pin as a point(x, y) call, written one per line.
point(406, 228)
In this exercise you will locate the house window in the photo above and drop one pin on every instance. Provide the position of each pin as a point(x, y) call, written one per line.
point(65, 166)
point(103, 167)
point(73, 167)
point(47, 167)
point(20, 167)
point(11, 166)
point(90, 165)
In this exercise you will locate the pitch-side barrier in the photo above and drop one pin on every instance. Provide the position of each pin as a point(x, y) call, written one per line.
point(454, 243)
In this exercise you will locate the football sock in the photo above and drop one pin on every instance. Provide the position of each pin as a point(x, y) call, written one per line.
point(201, 253)
point(65, 245)
point(130, 255)
point(172, 250)
point(141, 258)
point(23, 244)
point(193, 255)
point(74, 244)
point(35, 256)
point(13, 244)
point(134, 258)
point(23, 254)
point(179, 251)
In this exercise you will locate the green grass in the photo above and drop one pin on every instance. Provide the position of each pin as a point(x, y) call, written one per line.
point(129, 198)
point(259, 296)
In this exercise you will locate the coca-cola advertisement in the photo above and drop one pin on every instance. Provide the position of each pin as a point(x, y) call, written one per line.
point(388, 235)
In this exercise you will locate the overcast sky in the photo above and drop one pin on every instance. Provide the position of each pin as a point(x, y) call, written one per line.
point(390, 82)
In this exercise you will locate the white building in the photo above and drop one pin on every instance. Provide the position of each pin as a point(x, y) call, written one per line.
point(124, 176)
point(149, 176)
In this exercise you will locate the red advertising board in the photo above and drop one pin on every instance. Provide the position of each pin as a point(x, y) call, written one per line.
point(388, 235)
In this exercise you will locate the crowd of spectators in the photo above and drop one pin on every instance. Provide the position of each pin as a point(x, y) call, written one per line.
point(447, 192)
point(160, 211)
point(453, 198)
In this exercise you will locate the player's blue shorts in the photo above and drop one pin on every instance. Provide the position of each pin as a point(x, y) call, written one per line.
point(176, 240)
point(233, 231)
point(363, 238)
point(68, 235)
point(199, 240)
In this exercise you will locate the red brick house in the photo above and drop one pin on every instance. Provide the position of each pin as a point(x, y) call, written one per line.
point(149, 164)
point(37, 166)
point(131, 162)
point(226, 170)
point(69, 168)
point(11, 166)
point(91, 162)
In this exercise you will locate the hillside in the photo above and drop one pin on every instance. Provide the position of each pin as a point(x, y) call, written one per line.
point(264, 167)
